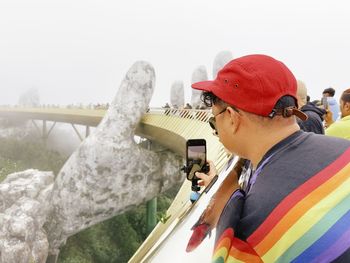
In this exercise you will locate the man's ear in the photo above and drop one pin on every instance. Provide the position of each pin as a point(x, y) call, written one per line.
point(347, 106)
point(235, 119)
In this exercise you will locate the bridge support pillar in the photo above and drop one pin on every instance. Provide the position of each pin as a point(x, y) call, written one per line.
point(151, 214)
point(87, 131)
point(77, 132)
point(151, 208)
point(44, 134)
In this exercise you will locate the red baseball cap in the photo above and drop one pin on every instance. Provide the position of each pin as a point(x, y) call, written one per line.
point(253, 83)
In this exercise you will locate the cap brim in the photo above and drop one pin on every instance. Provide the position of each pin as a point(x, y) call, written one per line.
point(204, 85)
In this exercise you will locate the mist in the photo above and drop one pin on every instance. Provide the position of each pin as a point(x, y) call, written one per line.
point(77, 51)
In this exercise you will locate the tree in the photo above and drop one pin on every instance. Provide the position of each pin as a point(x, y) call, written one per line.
point(29, 98)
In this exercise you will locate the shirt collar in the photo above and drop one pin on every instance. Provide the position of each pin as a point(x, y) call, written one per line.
point(281, 145)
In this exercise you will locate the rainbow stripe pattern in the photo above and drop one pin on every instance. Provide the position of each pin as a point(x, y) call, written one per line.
point(311, 224)
point(230, 249)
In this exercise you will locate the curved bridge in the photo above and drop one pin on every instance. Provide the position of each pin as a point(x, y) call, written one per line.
point(168, 127)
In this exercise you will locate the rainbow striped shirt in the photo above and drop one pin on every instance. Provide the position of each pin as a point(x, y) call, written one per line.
point(298, 210)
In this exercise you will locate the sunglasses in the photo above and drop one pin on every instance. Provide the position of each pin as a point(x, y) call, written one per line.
point(212, 120)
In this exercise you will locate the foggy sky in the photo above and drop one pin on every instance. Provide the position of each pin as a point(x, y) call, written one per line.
point(75, 51)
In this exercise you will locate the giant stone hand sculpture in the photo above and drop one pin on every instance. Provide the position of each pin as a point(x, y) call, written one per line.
point(177, 94)
point(108, 174)
point(199, 74)
point(220, 60)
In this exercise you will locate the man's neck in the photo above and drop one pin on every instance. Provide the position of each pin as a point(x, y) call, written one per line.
point(264, 142)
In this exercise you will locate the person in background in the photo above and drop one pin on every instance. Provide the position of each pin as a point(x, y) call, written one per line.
point(317, 103)
point(340, 128)
point(296, 204)
point(188, 106)
point(314, 123)
point(167, 108)
point(332, 103)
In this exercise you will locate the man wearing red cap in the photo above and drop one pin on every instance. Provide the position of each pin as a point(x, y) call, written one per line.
point(295, 205)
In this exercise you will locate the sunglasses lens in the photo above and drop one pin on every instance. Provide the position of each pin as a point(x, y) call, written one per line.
point(212, 124)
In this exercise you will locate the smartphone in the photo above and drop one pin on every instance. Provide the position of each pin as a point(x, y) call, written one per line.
point(324, 102)
point(196, 157)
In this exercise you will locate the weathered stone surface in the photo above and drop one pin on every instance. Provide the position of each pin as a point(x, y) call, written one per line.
point(199, 74)
point(40, 247)
point(109, 172)
point(24, 206)
point(220, 60)
point(177, 94)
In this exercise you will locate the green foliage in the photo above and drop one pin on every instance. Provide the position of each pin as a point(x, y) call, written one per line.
point(114, 240)
point(6, 167)
point(17, 155)
point(91, 245)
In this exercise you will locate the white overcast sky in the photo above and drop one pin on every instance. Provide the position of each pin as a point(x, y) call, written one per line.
point(76, 51)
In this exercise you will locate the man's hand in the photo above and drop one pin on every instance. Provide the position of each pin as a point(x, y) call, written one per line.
point(205, 179)
point(211, 214)
point(328, 118)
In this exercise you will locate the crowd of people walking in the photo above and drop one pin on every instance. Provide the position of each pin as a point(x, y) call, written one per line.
point(325, 116)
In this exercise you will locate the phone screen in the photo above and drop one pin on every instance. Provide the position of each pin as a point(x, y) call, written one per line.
point(195, 156)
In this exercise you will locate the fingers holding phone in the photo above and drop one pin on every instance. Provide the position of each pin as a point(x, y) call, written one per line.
point(206, 178)
point(328, 118)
